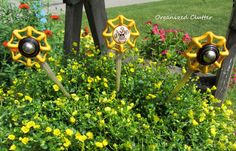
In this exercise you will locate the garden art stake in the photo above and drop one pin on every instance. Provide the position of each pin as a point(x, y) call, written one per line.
point(205, 53)
point(119, 32)
point(32, 48)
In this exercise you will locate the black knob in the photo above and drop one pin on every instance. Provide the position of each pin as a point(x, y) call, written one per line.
point(208, 54)
point(29, 47)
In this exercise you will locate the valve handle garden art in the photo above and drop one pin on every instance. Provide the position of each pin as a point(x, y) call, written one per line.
point(119, 32)
point(205, 53)
point(29, 46)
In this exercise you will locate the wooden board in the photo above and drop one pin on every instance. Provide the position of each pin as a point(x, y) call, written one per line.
point(223, 76)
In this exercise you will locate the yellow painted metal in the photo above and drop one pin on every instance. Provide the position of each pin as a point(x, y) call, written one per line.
point(28, 31)
point(112, 25)
point(198, 43)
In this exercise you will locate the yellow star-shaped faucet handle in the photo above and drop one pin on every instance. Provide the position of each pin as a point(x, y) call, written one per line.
point(206, 52)
point(29, 46)
point(119, 32)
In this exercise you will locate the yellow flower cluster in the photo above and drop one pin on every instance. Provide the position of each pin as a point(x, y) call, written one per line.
point(150, 96)
point(102, 144)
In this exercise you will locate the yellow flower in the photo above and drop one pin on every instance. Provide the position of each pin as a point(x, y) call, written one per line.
point(184, 70)
point(11, 137)
point(209, 141)
point(56, 132)
point(202, 117)
point(28, 98)
point(56, 87)
point(25, 140)
point(88, 115)
point(48, 129)
point(99, 144)
point(233, 146)
point(158, 85)
point(12, 147)
point(131, 70)
point(105, 85)
point(75, 44)
point(107, 109)
point(75, 97)
point(37, 65)
point(89, 135)
point(213, 88)
point(59, 77)
point(104, 142)
point(25, 129)
point(213, 131)
point(69, 132)
point(194, 122)
point(111, 54)
point(156, 118)
point(30, 124)
point(105, 80)
point(102, 122)
point(20, 94)
point(135, 49)
point(140, 60)
point(90, 79)
point(138, 115)
point(188, 148)
point(99, 113)
point(208, 90)
point(191, 114)
point(228, 102)
point(72, 120)
point(67, 142)
point(150, 96)
point(80, 137)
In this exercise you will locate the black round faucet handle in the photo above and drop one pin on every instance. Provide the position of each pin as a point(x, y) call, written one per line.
point(208, 54)
point(29, 47)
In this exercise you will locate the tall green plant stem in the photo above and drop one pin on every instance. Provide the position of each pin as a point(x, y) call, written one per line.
point(182, 82)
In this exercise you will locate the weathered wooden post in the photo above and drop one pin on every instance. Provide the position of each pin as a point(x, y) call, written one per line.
point(223, 76)
point(96, 14)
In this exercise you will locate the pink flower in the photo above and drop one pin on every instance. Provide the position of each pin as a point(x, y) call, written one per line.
point(162, 34)
point(164, 52)
point(163, 37)
point(155, 29)
point(186, 38)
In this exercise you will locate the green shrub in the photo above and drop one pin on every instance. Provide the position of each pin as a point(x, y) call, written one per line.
point(165, 45)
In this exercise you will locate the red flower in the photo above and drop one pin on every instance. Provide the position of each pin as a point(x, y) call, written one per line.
point(148, 22)
point(186, 38)
point(14, 49)
point(24, 6)
point(5, 43)
point(86, 31)
point(164, 52)
point(55, 17)
point(48, 32)
point(155, 29)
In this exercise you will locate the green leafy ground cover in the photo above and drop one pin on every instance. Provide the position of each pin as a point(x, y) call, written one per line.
point(34, 114)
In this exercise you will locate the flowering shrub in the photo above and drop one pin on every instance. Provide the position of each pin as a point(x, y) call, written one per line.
point(162, 45)
point(35, 115)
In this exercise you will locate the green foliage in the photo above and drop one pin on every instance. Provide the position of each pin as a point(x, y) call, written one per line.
point(35, 115)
